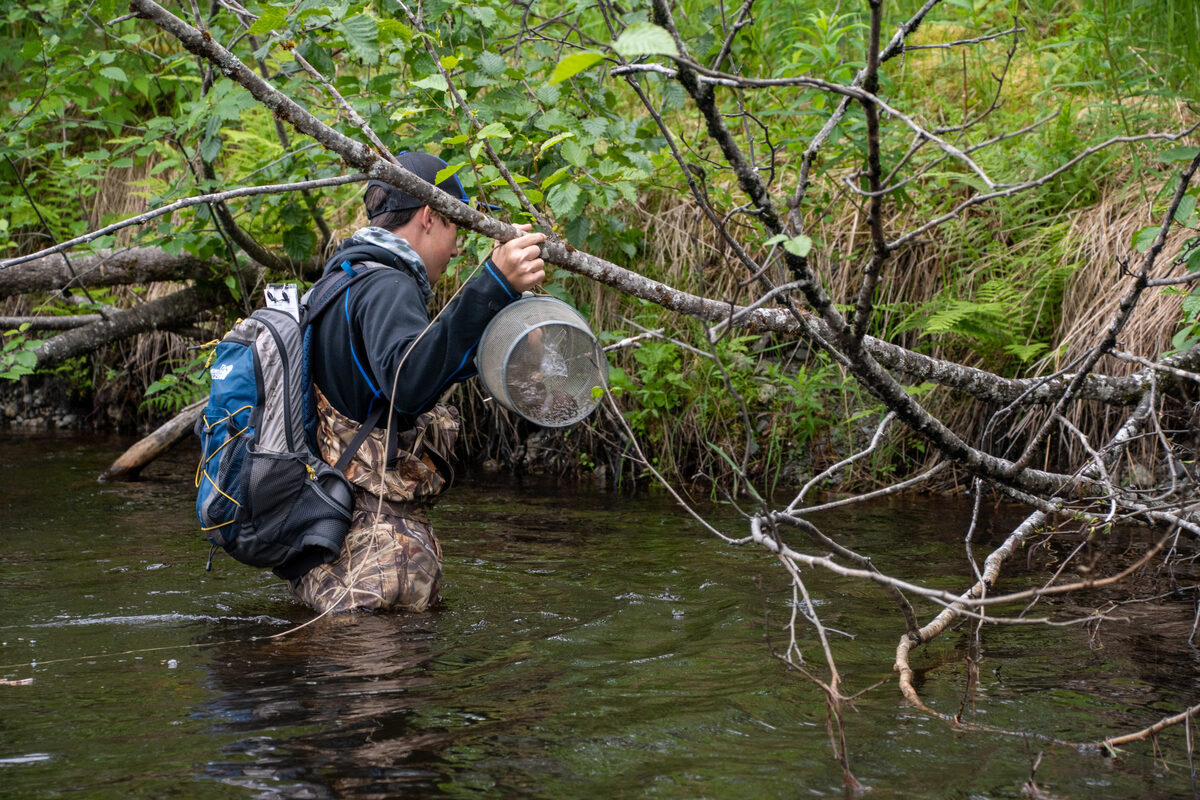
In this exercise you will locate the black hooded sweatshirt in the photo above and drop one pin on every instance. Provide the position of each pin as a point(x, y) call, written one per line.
point(359, 340)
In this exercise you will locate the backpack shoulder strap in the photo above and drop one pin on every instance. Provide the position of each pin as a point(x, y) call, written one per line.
point(316, 300)
point(363, 432)
point(331, 286)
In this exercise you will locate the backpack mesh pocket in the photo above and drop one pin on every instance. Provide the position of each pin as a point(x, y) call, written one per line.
point(224, 437)
point(298, 503)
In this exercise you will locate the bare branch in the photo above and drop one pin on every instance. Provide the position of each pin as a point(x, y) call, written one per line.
point(960, 42)
point(167, 312)
point(187, 202)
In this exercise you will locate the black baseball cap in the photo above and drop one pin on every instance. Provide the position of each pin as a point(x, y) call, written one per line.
point(426, 167)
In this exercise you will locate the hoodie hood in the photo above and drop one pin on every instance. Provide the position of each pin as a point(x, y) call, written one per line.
point(383, 247)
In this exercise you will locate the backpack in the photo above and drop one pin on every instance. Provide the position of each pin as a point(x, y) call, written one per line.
point(263, 492)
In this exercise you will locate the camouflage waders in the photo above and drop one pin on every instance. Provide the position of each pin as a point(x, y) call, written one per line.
point(390, 559)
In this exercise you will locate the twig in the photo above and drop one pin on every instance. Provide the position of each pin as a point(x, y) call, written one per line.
point(880, 429)
point(960, 42)
point(245, 191)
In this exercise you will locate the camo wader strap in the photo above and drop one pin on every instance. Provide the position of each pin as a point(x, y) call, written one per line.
point(415, 468)
point(363, 432)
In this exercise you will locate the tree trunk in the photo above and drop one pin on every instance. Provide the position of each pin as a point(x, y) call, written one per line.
point(106, 268)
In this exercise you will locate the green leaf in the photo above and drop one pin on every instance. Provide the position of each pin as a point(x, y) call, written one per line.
point(210, 148)
point(494, 130)
point(1026, 352)
point(390, 30)
point(1144, 238)
point(559, 291)
point(596, 126)
point(490, 63)
point(448, 170)
point(1179, 154)
point(644, 39)
point(574, 153)
point(114, 73)
point(502, 181)
point(434, 83)
point(796, 245)
point(272, 19)
point(1185, 339)
point(362, 34)
point(572, 65)
point(547, 93)
point(483, 14)
point(558, 176)
point(553, 140)
point(1186, 211)
point(299, 242)
point(564, 198)
point(1191, 305)
point(1193, 260)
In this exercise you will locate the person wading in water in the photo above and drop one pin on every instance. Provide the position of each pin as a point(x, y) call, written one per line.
point(391, 559)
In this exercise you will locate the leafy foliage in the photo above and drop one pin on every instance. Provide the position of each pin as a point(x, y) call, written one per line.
point(185, 382)
point(17, 356)
point(149, 125)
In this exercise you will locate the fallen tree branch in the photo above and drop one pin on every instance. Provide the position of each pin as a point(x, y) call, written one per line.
point(1146, 733)
point(976, 595)
point(58, 323)
point(132, 461)
point(139, 265)
point(167, 312)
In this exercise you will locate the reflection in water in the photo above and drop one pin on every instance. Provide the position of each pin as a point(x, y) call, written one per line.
point(590, 645)
point(346, 685)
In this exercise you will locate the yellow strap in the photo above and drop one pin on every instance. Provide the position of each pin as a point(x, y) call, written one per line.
point(218, 488)
point(212, 351)
point(203, 461)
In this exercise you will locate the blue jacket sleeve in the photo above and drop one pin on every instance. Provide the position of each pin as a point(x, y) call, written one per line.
point(388, 318)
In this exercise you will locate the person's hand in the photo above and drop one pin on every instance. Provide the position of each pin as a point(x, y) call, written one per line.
point(520, 261)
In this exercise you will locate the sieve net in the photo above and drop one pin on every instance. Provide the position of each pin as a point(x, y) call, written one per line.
point(539, 359)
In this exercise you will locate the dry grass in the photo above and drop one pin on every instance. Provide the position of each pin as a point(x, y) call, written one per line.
point(1101, 236)
point(678, 240)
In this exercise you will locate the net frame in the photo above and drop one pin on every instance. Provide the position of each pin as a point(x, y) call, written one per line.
point(503, 356)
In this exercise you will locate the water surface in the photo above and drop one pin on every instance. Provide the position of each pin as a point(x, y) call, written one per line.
point(589, 645)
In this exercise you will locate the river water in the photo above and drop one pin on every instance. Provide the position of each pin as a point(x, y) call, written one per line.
point(590, 644)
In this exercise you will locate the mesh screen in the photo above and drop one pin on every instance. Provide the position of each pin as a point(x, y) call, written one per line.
point(551, 372)
point(539, 359)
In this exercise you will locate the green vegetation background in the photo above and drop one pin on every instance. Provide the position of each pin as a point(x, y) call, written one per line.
point(104, 119)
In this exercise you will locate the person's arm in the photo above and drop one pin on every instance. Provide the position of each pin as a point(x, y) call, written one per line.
point(392, 318)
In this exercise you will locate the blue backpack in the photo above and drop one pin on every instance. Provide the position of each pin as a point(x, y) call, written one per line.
point(263, 492)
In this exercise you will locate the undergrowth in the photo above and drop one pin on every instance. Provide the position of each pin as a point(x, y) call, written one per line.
point(991, 289)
